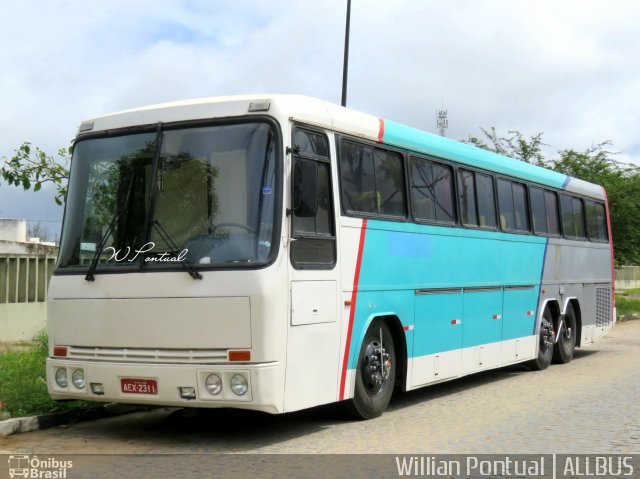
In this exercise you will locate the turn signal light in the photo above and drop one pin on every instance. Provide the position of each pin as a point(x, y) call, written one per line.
point(240, 356)
point(60, 351)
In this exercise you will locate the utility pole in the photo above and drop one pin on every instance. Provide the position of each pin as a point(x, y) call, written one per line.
point(345, 65)
point(442, 121)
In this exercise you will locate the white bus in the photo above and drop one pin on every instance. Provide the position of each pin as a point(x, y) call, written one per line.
point(280, 252)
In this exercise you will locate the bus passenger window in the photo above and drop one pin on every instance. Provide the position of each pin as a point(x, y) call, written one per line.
point(486, 201)
point(431, 191)
point(551, 208)
point(538, 211)
point(372, 180)
point(467, 194)
point(358, 182)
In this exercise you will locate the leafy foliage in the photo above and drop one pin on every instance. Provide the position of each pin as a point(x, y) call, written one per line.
point(23, 384)
point(596, 164)
point(31, 167)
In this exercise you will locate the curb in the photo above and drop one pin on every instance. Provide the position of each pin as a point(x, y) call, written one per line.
point(46, 421)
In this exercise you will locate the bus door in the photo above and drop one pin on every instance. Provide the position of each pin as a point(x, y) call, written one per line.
point(314, 329)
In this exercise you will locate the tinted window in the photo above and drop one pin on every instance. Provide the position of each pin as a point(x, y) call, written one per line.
point(551, 207)
point(520, 207)
point(358, 182)
point(389, 177)
point(486, 201)
point(467, 195)
point(566, 208)
point(538, 211)
point(431, 191)
point(372, 180)
point(513, 206)
point(505, 205)
point(311, 143)
point(321, 223)
point(578, 217)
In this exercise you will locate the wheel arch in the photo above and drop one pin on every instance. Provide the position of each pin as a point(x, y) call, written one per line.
point(399, 340)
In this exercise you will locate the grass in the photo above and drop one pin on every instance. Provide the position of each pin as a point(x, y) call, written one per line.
point(626, 305)
point(628, 292)
point(23, 384)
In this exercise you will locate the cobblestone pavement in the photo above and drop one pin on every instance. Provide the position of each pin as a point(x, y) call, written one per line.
point(591, 405)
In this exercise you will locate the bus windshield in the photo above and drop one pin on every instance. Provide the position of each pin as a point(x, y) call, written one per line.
point(204, 195)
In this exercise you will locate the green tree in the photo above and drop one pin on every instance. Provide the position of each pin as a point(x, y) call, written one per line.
point(31, 167)
point(515, 145)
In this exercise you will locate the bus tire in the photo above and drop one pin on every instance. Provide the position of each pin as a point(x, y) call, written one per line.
point(566, 345)
point(373, 390)
point(545, 342)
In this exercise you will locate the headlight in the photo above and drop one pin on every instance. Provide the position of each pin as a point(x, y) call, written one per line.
point(213, 383)
point(61, 377)
point(239, 384)
point(77, 378)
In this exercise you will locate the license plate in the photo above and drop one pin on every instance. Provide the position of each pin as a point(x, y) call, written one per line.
point(138, 386)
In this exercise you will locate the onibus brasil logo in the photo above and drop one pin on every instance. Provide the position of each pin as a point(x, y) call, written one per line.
point(35, 468)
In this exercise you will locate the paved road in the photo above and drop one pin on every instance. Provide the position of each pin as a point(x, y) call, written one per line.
point(591, 405)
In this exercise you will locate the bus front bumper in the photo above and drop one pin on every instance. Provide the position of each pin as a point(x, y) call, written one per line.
point(181, 385)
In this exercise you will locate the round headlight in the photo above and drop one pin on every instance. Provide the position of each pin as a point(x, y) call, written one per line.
point(77, 378)
point(213, 383)
point(239, 384)
point(61, 377)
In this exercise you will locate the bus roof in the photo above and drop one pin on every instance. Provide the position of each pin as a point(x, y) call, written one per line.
point(345, 120)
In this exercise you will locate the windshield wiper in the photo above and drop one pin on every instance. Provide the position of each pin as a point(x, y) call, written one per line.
point(119, 213)
point(186, 264)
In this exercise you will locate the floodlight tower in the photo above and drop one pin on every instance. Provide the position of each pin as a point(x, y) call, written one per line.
point(442, 121)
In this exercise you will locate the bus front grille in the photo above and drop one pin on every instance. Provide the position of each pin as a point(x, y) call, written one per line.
point(187, 356)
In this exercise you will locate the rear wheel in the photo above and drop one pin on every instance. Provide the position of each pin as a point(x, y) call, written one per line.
point(566, 345)
point(545, 342)
point(375, 373)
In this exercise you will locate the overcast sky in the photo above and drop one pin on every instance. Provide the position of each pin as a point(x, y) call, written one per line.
point(570, 69)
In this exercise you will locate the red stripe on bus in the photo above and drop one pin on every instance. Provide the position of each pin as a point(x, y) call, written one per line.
point(613, 267)
point(380, 130)
point(352, 311)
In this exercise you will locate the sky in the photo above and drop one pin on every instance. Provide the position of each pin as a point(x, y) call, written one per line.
point(567, 68)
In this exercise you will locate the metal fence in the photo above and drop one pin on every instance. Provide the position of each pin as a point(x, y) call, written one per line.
point(25, 278)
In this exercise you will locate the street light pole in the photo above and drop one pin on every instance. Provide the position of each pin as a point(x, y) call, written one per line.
point(345, 65)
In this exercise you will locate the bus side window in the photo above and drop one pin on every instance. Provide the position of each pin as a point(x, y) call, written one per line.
point(566, 208)
point(512, 201)
point(578, 217)
point(486, 201)
point(538, 211)
point(596, 221)
point(372, 180)
point(467, 194)
point(431, 191)
point(551, 208)
point(358, 181)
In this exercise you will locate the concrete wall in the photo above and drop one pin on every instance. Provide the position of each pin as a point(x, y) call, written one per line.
point(628, 277)
point(13, 230)
point(22, 248)
point(22, 321)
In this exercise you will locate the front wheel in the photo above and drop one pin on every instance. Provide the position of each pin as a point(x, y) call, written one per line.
point(545, 344)
point(375, 373)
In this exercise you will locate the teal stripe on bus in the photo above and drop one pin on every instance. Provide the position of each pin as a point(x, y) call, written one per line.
point(399, 259)
point(403, 136)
